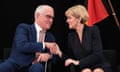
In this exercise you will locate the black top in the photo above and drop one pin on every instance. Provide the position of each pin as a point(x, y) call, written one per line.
point(89, 52)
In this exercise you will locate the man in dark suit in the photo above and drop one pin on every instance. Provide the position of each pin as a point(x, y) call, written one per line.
point(26, 43)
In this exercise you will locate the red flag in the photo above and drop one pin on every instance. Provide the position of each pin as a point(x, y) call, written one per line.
point(96, 11)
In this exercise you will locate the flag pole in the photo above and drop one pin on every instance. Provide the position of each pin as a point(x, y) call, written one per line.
point(114, 14)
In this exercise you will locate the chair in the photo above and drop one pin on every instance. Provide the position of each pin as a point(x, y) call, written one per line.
point(72, 68)
point(110, 55)
point(0, 60)
point(6, 53)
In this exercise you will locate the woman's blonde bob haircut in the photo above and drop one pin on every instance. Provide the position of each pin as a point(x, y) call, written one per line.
point(78, 11)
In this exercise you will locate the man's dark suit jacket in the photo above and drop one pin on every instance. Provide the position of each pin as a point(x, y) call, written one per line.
point(89, 52)
point(25, 44)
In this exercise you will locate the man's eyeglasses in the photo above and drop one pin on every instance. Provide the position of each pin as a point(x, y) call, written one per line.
point(48, 16)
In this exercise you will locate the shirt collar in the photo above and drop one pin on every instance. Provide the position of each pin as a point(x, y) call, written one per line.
point(38, 28)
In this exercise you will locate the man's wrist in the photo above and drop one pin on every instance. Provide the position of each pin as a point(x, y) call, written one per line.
point(50, 56)
point(43, 43)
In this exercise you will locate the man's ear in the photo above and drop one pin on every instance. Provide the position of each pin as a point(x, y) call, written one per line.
point(37, 15)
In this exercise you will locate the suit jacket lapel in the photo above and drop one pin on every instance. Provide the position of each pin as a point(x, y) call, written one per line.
point(33, 36)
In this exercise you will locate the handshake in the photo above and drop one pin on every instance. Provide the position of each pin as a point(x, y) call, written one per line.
point(53, 47)
point(44, 57)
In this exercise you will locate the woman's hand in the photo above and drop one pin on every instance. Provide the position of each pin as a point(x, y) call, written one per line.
point(71, 61)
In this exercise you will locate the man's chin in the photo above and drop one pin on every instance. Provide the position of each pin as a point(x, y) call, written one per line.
point(48, 28)
point(70, 27)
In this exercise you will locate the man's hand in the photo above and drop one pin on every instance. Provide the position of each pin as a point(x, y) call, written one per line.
point(44, 57)
point(54, 48)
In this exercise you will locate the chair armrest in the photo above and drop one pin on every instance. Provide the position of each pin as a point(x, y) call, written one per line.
point(72, 68)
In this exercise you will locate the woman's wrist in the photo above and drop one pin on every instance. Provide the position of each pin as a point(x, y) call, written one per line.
point(76, 62)
point(60, 54)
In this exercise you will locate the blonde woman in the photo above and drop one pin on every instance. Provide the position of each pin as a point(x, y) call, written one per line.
point(84, 43)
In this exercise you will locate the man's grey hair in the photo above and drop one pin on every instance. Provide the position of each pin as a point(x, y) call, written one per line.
point(40, 8)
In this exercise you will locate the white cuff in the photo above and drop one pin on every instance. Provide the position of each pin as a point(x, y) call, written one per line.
point(43, 45)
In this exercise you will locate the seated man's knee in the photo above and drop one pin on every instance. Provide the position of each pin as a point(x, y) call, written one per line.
point(98, 70)
point(7, 67)
point(86, 70)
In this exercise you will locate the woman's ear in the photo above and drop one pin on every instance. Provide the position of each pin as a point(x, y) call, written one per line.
point(80, 20)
